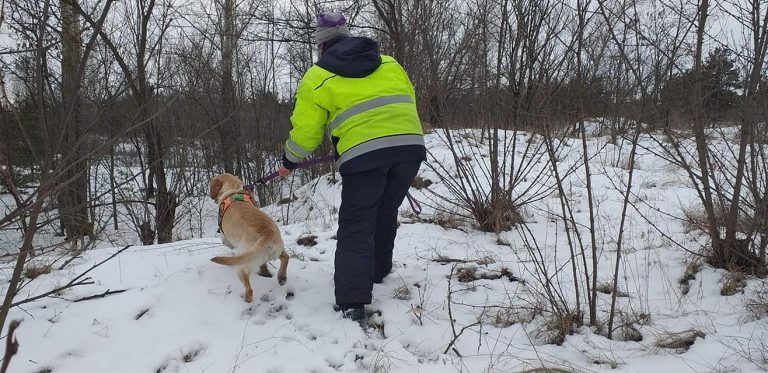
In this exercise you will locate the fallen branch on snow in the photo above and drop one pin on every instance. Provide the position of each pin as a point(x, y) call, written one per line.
point(77, 281)
point(102, 295)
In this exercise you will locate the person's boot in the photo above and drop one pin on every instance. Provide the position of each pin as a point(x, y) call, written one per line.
point(380, 274)
point(354, 312)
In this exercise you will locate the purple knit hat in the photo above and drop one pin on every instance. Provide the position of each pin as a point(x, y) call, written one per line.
point(330, 25)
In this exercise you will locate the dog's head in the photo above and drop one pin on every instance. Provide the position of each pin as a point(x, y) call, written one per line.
point(224, 183)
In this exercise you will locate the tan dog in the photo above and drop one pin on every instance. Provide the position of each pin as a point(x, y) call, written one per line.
point(246, 228)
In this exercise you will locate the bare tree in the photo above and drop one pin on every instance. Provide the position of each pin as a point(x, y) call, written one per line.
point(142, 91)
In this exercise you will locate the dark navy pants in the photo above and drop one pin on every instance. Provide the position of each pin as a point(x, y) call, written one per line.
point(367, 228)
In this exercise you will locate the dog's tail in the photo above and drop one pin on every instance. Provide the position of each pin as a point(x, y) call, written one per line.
point(235, 260)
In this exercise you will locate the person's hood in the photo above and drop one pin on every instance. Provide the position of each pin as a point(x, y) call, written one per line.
point(351, 57)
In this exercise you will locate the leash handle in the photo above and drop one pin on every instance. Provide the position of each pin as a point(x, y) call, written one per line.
point(415, 205)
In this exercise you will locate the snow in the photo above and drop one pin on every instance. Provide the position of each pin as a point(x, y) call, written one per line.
point(182, 313)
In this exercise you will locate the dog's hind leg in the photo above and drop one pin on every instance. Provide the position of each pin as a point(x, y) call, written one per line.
point(282, 273)
point(264, 271)
point(244, 275)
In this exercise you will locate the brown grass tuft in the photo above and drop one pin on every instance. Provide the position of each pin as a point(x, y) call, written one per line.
point(420, 182)
point(497, 217)
point(607, 288)
point(734, 283)
point(680, 340)
point(470, 273)
point(402, 292)
point(505, 317)
point(34, 271)
point(309, 240)
point(466, 274)
point(691, 270)
point(557, 327)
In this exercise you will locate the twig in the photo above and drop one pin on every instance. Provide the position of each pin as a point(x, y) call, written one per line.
point(74, 282)
point(102, 295)
point(457, 337)
point(453, 322)
point(11, 345)
point(445, 260)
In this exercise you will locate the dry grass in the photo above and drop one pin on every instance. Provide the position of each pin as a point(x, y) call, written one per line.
point(471, 273)
point(732, 255)
point(466, 274)
point(498, 217)
point(443, 259)
point(308, 241)
point(680, 341)
point(696, 219)
point(629, 333)
point(691, 270)
point(420, 182)
point(34, 271)
point(446, 220)
point(557, 327)
point(485, 260)
point(607, 288)
point(627, 330)
point(757, 304)
point(733, 283)
point(402, 292)
point(546, 370)
point(505, 317)
point(502, 242)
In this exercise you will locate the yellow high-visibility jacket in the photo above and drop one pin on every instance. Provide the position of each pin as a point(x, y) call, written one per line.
point(363, 101)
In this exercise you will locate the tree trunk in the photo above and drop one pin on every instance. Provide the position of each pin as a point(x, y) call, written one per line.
point(228, 130)
point(698, 128)
point(73, 198)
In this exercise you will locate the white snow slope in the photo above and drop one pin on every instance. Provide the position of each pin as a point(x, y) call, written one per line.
point(182, 313)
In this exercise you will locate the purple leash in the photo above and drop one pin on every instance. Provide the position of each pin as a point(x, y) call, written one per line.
point(309, 163)
point(415, 205)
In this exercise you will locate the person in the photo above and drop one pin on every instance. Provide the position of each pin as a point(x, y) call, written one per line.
point(365, 102)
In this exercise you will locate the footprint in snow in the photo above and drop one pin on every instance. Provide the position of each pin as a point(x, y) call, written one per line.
point(186, 355)
point(278, 310)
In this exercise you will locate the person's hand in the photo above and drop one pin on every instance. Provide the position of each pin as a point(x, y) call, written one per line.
point(283, 172)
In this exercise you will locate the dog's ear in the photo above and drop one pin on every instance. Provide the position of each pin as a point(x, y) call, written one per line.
point(216, 184)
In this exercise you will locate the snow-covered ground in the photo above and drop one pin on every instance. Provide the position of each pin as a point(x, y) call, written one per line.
point(182, 313)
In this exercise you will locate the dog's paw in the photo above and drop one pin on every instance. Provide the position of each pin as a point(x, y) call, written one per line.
point(263, 272)
point(282, 279)
point(248, 296)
